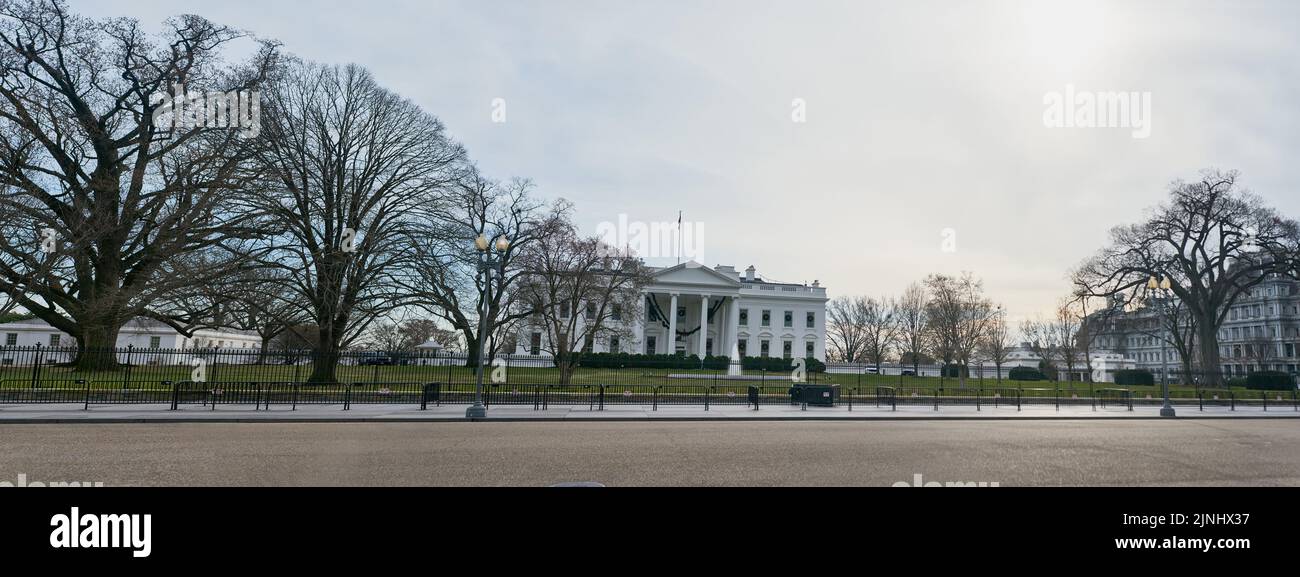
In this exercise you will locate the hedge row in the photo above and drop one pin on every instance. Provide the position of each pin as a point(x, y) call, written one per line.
point(780, 364)
point(1027, 374)
point(692, 362)
point(1135, 377)
point(1270, 381)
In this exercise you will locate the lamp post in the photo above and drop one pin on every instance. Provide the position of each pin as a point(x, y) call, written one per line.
point(1162, 288)
point(487, 261)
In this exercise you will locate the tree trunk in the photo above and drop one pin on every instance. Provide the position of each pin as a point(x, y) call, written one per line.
point(1208, 341)
point(97, 347)
point(471, 352)
point(326, 360)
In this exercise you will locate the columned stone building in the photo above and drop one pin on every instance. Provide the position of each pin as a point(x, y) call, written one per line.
point(691, 309)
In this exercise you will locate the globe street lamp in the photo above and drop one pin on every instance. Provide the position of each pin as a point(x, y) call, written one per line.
point(1163, 289)
point(487, 262)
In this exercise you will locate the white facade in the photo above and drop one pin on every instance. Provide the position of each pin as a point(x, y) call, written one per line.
point(140, 334)
point(746, 317)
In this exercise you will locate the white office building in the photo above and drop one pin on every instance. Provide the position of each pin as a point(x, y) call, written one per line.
point(692, 309)
point(140, 334)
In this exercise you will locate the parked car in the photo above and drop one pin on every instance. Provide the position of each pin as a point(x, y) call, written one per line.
point(909, 373)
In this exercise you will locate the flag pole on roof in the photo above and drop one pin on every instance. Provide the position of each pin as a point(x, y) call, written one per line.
point(679, 237)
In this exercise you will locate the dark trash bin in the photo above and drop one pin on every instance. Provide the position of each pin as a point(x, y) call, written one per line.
point(815, 395)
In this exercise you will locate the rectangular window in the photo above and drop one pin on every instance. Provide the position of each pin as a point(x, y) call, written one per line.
point(651, 346)
point(54, 340)
point(155, 342)
point(789, 319)
point(11, 340)
point(589, 345)
point(812, 320)
point(708, 347)
point(744, 317)
point(743, 345)
point(766, 349)
point(789, 350)
point(811, 351)
point(535, 344)
point(613, 345)
point(617, 313)
point(564, 310)
point(591, 311)
point(767, 318)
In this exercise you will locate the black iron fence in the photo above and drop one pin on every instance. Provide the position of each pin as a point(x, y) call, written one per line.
point(143, 366)
point(264, 379)
point(268, 395)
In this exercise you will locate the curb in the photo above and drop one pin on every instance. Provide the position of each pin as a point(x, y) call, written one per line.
point(428, 420)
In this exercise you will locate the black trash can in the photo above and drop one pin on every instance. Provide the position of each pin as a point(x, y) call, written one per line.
point(815, 395)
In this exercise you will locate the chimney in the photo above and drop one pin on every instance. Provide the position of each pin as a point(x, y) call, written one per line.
point(750, 273)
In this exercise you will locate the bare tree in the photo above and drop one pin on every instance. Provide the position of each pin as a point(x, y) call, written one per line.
point(581, 291)
point(103, 210)
point(1213, 240)
point(960, 316)
point(1044, 340)
point(445, 279)
point(881, 328)
point(914, 323)
point(349, 165)
point(1066, 326)
point(997, 342)
point(845, 329)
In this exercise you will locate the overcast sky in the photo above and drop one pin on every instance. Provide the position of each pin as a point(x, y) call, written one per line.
point(920, 117)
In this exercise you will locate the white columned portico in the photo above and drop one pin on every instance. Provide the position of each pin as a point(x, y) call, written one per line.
point(672, 326)
point(704, 326)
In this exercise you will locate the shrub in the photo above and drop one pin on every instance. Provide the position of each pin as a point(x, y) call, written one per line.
point(1270, 381)
point(1131, 377)
point(954, 371)
point(1027, 374)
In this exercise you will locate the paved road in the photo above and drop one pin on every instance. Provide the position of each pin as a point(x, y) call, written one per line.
point(1189, 452)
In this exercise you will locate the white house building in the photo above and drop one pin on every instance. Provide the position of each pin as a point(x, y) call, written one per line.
point(743, 316)
point(141, 334)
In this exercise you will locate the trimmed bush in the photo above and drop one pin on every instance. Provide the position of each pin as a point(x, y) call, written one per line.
point(1027, 374)
point(954, 371)
point(1270, 381)
point(1133, 378)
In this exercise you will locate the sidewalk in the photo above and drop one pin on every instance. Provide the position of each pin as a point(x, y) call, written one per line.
point(36, 414)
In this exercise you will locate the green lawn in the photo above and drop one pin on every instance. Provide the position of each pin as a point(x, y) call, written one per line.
point(143, 378)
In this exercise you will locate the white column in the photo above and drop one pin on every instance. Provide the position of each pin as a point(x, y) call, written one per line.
point(704, 325)
point(672, 327)
point(733, 324)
